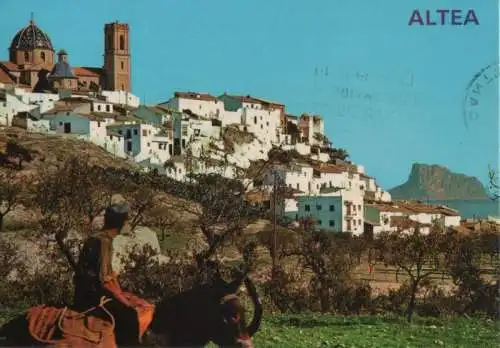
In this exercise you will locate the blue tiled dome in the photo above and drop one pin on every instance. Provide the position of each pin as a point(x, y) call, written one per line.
point(62, 69)
point(31, 37)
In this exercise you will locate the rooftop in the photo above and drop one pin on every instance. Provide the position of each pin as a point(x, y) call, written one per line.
point(253, 100)
point(195, 96)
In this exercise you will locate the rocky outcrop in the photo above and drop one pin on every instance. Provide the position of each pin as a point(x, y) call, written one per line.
point(34, 253)
point(436, 182)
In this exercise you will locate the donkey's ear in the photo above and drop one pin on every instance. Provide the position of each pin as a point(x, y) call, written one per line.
point(234, 286)
point(239, 276)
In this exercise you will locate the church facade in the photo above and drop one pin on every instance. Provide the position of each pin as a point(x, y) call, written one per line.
point(32, 63)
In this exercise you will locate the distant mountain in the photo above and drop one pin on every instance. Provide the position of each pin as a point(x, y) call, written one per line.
point(436, 182)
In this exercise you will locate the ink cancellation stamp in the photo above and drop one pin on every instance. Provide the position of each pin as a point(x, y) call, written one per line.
point(485, 78)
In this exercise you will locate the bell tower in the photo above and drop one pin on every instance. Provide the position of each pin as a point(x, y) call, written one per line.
point(117, 57)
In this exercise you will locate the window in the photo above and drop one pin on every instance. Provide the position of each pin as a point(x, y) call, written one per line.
point(359, 207)
point(332, 207)
point(330, 183)
point(42, 55)
point(98, 124)
point(255, 120)
point(320, 222)
point(307, 207)
point(331, 223)
point(60, 123)
point(26, 56)
point(359, 222)
point(123, 87)
point(144, 133)
point(183, 143)
point(122, 42)
point(298, 186)
point(122, 65)
point(120, 132)
point(135, 132)
point(108, 108)
point(98, 108)
point(148, 144)
point(318, 206)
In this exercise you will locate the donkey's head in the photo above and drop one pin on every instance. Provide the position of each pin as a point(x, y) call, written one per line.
point(230, 324)
point(209, 313)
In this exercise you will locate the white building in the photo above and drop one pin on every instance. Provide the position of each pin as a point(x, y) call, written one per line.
point(202, 104)
point(263, 118)
point(10, 105)
point(138, 139)
point(406, 216)
point(121, 98)
point(298, 177)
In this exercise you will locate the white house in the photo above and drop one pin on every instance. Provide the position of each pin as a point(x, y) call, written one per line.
point(202, 104)
point(263, 118)
point(405, 216)
point(115, 143)
point(10, 105)
point(121, 98)
point(298, 177)
point(162, 149)
point(138, 142)
point(44, 101)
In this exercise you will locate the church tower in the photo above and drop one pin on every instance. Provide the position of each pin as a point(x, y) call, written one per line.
point(117, 57)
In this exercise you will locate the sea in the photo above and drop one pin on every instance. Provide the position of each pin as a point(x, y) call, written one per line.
point(470, 209)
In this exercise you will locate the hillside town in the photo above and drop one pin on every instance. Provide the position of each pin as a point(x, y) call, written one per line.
point(198, 132)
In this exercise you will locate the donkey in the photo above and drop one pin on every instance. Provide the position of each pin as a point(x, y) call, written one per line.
point(207, 313)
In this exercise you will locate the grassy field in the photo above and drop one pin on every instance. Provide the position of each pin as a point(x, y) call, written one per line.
point(333, 331)
point(309, 330)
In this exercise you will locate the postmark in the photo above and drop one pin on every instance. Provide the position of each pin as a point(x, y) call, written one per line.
point(474, 91)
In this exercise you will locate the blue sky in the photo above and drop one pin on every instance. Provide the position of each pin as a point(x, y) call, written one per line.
point(389, 93)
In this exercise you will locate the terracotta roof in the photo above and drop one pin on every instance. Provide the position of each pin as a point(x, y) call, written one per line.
point(405, 222)
point(292, 116)
point(5, 78)
point(448, 211)
point(254, 100)
point(388, 208)
point(10, 66)
point(194, 95)
point(87, 71)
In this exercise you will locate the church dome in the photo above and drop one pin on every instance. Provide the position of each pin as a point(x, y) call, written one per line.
point(31, 37)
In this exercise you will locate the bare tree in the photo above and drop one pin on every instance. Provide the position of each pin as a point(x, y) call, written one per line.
point(221, 210)
point(22, 154)
point(12, 189)
point(417, 254)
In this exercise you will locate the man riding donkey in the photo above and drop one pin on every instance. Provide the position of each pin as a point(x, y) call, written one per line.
point(95, 278)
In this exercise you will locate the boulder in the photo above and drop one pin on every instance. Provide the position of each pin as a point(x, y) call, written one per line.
point(125, 243)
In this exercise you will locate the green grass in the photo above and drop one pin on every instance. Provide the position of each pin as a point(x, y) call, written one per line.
point(333, 331)
point(310, 330)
